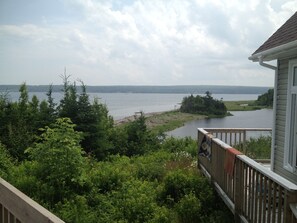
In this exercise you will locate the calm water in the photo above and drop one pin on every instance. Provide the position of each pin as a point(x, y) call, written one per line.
point(241, 119)
point(121, 105)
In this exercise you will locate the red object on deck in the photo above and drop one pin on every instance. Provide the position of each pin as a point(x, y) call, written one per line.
point(230, 160)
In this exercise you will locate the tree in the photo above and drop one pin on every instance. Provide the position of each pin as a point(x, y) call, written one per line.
point(205, 105)
point(19, 124)
point(266, 99)
point(139, 139)
point(100, 136)
point(59, 161)
point(86, 121)
point(68, 104)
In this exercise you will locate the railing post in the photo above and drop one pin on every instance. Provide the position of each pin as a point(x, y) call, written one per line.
point(291, 197)
point(238, 196)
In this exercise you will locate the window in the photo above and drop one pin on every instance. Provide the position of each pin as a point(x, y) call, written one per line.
point(290, 157)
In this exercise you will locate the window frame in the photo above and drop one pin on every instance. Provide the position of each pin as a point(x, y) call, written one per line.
point(290, 159)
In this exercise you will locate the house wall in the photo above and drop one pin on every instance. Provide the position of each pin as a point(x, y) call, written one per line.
point(281, 105)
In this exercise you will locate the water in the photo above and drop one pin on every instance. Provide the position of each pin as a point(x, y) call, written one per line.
point(121, 105)
point(240, 119)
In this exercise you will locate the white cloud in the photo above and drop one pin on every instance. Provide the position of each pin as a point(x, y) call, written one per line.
point(146, 42)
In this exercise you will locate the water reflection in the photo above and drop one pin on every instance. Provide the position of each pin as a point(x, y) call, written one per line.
point(240, 119)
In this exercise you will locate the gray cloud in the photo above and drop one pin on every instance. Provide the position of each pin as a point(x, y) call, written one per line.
point(139, 42)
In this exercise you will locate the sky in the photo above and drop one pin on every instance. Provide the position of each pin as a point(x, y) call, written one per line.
point(137, 42)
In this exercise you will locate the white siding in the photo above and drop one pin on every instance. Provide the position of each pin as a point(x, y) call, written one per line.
point(280, 123)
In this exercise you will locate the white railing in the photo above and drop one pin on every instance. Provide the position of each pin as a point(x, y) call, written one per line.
point(16, 207)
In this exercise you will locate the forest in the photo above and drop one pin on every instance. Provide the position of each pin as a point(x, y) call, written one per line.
point(73, 160)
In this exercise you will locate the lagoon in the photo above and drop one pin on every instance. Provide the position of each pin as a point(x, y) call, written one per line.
point(240, 119)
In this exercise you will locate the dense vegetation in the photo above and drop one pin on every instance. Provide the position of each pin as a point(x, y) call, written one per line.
point(72, 159)
point(263, 101)
point(257, 148)
point(204, 105)
point(266, 99)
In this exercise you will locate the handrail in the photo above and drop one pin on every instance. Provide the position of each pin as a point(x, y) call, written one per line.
point(232, 129)
point(288, 185)
point(255, 193)
point(15, 206)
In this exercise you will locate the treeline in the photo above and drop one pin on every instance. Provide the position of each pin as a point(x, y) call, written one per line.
point(178, 89)
point(74, 161)
point(204, 105)
point(266, 99)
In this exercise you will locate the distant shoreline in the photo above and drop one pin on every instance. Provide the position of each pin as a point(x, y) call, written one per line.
point(174, 89)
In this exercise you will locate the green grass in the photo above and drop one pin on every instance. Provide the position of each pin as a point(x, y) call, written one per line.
point(167, 121)
point(242, 105)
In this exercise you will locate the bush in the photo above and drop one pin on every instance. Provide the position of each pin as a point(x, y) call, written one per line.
point(6, 163)
point(257, 148)
point(176, 145)
point(136, 200)
point(189, 209)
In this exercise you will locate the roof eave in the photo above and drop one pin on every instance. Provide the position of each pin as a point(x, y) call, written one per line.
point(276, 52)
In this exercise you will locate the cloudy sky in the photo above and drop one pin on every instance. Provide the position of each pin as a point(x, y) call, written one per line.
point(137, 42)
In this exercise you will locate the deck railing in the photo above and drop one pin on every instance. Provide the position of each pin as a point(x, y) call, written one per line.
point(238, 136)
point(251, 191)
point(16, 207)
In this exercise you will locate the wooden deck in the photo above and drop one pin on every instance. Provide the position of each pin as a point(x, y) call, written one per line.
point(16, 207)
point(252, 192)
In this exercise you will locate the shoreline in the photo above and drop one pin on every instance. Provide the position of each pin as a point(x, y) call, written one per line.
point(163, 121)
point(169, 120)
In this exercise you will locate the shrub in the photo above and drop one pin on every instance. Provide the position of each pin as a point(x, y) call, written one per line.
point(6, 163)
point(189, 209)
point(136, 200)
point(175, 145)
point(59, 161)
point(257, 148)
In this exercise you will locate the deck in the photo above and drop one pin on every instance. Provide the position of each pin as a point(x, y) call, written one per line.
point(16, 207)
point(252, 191)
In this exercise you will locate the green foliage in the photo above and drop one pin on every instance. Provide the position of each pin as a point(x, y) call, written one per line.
point(58, 157)
point(189, 209)
point(135, 138)
point(76, 210)
point(205, 105)
point(176, 145)
point(257, 148)
point(90, 119)
point(6, 163)
point(266, 99)
point(130, 174)
point(138, 200)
